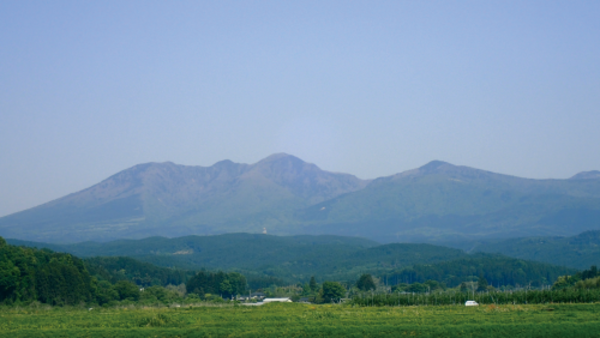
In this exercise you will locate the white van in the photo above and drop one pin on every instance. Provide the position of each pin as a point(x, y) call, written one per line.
point(471, 303)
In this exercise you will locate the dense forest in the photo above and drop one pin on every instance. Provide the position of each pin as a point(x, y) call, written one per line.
point(287, 259)
point(577, 252)
point(30, 274)
point(219, 283)
point(498, 270)
point(41, 275)
point(115, 269)
point(586, 279)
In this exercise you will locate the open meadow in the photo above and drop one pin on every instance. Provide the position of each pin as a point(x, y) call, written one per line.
point(305, 320)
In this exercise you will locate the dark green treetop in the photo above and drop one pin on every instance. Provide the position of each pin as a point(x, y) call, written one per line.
point(313, 284)
point(482, 284)
point(331, 291)
point(219, 283)
point(365, 282)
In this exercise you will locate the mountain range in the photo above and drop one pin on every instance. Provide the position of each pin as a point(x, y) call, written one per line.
point(436, 202)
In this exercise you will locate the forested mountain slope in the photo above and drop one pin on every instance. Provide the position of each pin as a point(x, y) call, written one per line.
point(496, 269)
point(580, 252)
point(226, 249)
point(115, 269)
point(267, 260)
point(291, 258)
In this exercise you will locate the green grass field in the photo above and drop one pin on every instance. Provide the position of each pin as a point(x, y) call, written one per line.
point(303, 320)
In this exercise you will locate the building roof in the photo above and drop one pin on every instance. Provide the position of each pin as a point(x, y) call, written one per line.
point(267, 300)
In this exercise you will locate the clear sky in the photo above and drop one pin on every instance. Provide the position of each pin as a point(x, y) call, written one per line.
point(371, 88)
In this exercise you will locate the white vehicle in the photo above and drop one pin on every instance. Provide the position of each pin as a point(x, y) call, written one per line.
point(471, 303)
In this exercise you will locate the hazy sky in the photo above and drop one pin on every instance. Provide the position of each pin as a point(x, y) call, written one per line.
point(370, 88)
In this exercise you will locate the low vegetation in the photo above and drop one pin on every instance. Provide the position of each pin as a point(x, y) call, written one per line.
point(304, 320)
point(566, 296)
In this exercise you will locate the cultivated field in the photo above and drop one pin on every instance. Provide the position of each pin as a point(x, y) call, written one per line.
point(303, 320)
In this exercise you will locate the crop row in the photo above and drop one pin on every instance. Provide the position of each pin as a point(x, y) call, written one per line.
point(459, 298)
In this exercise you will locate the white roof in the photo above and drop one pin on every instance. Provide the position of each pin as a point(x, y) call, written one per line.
point(267, 300)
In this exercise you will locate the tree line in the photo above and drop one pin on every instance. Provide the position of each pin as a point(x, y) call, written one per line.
point(582, 287)
point(217, 283)
point(30, 274)
point(115, 269)
point(494, 297)
point(586, 279)
point(497, 270)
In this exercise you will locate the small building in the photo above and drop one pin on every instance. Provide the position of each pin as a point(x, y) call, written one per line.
point(269, 300)
point(275, 300)
point(471, 303)
point(253, 296)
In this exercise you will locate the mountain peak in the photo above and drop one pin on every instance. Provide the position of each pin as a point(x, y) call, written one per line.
point(282, 162)
point(446, 169)
point(224, 163)
point(278, 157)
point(587, 175)
point(434, 166)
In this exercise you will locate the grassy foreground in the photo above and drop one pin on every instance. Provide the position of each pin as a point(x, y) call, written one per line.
point(302, 320)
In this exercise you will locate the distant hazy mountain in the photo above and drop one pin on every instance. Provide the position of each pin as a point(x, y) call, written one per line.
point(438, 201)
point(172, 200)
point(441, 202)
point(587, 175)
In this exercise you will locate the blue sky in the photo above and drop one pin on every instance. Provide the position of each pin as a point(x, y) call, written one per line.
point(370, 88)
